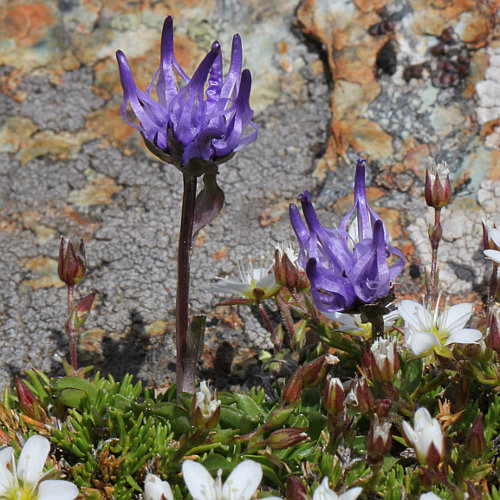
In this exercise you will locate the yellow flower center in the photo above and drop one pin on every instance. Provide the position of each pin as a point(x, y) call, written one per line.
point(20, 493)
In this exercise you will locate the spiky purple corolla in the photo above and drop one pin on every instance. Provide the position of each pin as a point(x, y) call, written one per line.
point(351, 265)
point(188, 122)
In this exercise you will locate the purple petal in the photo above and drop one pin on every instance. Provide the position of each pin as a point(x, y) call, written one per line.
point(230, 87)
point(331, 292)
point(151, 115)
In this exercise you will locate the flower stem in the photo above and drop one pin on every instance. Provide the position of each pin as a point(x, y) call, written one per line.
point(185, 374)
point(71, 333)
point(435, 238)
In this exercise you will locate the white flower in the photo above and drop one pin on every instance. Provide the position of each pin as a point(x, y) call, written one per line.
point(429, 496)
point(205, 401)
point(352, 324)
point(240, 485)
point(255, 283)
point(323, 492)
point(426, 437)
point(494, 255)
point(156, 489)
point(426, 330)
point(25, 481)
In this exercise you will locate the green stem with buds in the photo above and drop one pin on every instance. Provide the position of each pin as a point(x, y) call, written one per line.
point(185, 370)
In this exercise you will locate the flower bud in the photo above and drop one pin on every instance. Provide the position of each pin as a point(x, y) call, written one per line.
point(426, 438)
point(492, 339)
point(279, 417)
point(284, 438)
point(378, 441)
point(27, 399)
point(286, 270)
point(315, 371)
point(295, 490)
point(205, 408)
point(437, 186)
point(476, 442)
point(333, 396)
point(80, 313)
point(383, 407)
point(361, 397)
point(293, 389)
point(382, 362)
point(72, 261)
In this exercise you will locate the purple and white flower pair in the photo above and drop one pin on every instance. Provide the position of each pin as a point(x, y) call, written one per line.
point(351, 265)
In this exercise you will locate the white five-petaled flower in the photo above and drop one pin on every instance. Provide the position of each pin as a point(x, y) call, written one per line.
point(426, 437)
point(494, 255)
point(427, 331)
point(156, 489)
point(255, 284)
point(24, 481)
point(323, 492)
point(240, 485)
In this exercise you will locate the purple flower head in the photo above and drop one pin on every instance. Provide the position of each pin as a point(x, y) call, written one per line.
point(349, 266)
point(187, 121)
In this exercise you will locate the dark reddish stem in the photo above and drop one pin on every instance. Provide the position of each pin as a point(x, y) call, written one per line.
point(185, 371)
point(435, 238)
point(70, 332)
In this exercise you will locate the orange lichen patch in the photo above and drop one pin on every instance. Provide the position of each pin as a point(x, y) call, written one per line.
point(493, 170)
point(228, 315)
point(99, 191)
point(107, 123)
point(156, 328)
point(9, 84)
point(365, 136)
point(63, 145)
point(43, 233)
point(432, 21)
point(26, 23)
point(15, 133)
point(477, 29)
point(370, 5)
point(391, 219)
point(318, 67)
point(479, 63)
point(282, 47)
point(46, 268)
point(220, 254)
point(417, 159)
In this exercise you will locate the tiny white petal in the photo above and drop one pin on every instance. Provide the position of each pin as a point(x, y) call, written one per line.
point(198, 480)
point(351, 494)
point(32, 459)
point(494, 234)
point(493, 255)
point(156, 489)
point(6, 456)
point(51, 489)
point(455, 317)
point(243, 481)
point(429, 496)
point(323, 492)
point(421, 342)
point(464, 336)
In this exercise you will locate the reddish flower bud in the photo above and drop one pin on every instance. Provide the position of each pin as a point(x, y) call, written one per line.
point(383, 407)
point(72, 261)
point(378, 441)
point(361, 397)
point(315, 371)
point(286, 270)
point(437, 186)
point(295, 490)
point(27, 399)
point(333, 397)
point(492, 339)
point(284, 438)
point(80, 313)
point(476, 442)
point(293, 390)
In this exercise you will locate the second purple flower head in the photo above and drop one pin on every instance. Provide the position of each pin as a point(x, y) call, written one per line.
point(187, 121)
point(349, 266)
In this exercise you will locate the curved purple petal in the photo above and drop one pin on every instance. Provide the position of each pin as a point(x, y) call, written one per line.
point(331, 292)
point(230, 88)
